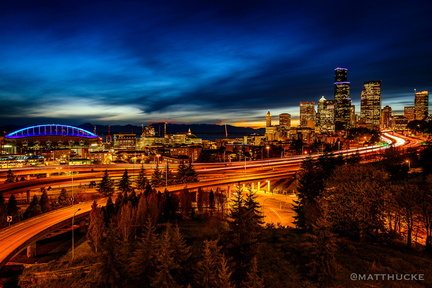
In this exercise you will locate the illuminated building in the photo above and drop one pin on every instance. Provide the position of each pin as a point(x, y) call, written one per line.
point(307, 114)
point(386, 117)
point(125, 141)
point(270, 131)
point(325, 115)
point(421, 105)
point(409, 113)
point(284, 124)
point(342, 99)
point(370, 104)
point(399, 122)
point(51, 136)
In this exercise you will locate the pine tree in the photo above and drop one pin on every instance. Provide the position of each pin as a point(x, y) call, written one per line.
point(253, 280)
point(311, 185)
point(244, 232)
point(96, 228)
point(191, 174)
point(13, 209)
point(181, 173)
point(142, 181)
point(106, 186)
point(62, 199)
point(143, 261)
point(157, 177)
point(44, 202)
point(165, 264)
point(124, 184)
point(212, 270)
point(33, 209)
point(324, 263)
point(10, 177)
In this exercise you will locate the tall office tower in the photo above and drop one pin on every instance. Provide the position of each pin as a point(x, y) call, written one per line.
point(353, 116)
point(285, 121)
point(421, 105)
point(370, 104)
point(325, 115)
point(268, 119)
point(386, 117)
point(409, 113)
point(307, 114)
point(342, 99)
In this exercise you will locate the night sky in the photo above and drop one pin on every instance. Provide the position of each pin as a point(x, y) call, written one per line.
point(130, 62)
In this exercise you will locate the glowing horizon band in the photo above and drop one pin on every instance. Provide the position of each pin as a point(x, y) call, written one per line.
point(47, 130)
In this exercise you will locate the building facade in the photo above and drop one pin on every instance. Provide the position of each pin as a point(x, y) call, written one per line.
point(370, 104)
point(307, 115)
point(421, 105)
point(342, 99)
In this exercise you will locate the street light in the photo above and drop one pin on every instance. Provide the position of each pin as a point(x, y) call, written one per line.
point(409, 164)
point(157, 157)
point(73, 234)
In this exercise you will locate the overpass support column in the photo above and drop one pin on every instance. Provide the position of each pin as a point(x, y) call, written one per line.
point(268, 186)
point(229, 191)
point(27, 177)
point(48, 174)
point(31, 250)
point(253, 186)
point(258, 186)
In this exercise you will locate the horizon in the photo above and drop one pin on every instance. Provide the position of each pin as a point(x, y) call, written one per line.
point(207, 62)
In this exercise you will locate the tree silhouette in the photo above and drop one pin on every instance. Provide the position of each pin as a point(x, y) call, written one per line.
point(106, 186)
point(125, 184)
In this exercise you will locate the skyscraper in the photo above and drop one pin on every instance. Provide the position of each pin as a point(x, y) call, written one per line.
point(421, 105)
point(342, 99)
point(409, 113)
point(386, 117)
point(325, 115)
point(307, 114)
point(285, 121)
point(370, 104)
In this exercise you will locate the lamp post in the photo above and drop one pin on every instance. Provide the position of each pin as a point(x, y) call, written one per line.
point(73, 234)
point(157, 157)
point(409, 164)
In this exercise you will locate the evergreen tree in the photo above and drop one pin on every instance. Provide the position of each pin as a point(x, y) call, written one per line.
point(323, 263)
point(165, 265)
point(96, 228)
point(125, 184)
point(142, 181)
point(143, 261)
point(157, 177)
point(106, 186)
point(243, 234)
point(108, 211)
point(13, 209)
point(191, 175)
point(33, 209)
point(200, 199)
point(181, 172)
point(44, 202)
point(10, 177)
point(212, 270)
point(108, 273)
point(311, 185)
point(63, 198)
point(253, 280)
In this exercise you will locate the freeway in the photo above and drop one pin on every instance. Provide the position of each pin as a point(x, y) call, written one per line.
point(276, 208)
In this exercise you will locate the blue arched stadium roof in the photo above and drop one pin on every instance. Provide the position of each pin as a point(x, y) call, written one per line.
point(51, 130)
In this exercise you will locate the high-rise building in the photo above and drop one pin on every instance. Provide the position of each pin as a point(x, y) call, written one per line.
point(307, 114)
point(421, 105)
point(325, 115)
point(409, 113)
point(285, 121)
point(370, 104)
point(386, 117)
point(270, 131)
point(342, 99)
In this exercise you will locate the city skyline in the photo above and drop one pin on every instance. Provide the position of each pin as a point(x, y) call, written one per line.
point(218, 62)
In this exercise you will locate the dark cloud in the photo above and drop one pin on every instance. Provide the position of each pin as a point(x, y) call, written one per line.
point(208, 59)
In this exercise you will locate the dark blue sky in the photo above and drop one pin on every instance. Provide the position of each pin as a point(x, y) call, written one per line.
point(120, 62)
